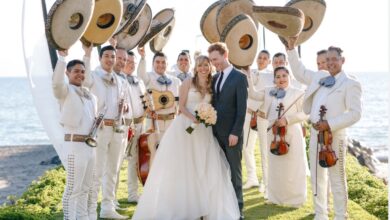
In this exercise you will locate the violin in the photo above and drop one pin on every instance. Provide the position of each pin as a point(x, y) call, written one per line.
point(147, 145)
point(326, 157)
point(253, 121)
point(279, 146)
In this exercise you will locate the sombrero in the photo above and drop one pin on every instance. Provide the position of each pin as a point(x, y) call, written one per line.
point(133, 34)
point(161, 39)
point(314, 11)
point(131, 11)
point(67, 22)
point(284, 21)
point(208, 23)
point(160, 21)
point(230, 9)
point(105, 20)
point(240, 36)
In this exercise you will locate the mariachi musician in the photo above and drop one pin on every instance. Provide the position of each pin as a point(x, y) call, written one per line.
point(163, 86)
point(137, 92)
point(287, 170)
point(110, 91)
point(78, 111)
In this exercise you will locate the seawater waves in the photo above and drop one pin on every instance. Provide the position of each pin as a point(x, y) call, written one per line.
point(20, 124)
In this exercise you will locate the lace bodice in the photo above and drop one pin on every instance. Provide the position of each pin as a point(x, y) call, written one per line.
point(194, 98)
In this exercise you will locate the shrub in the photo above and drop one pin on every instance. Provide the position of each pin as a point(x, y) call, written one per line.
point(42, 200)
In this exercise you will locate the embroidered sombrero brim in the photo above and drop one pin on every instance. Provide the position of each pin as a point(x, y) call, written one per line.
point(67, 21)
point(160, 21)
point(134, 33)
point(161, 39)
point(131, 11)
point(240, 36)
point(283, 21)
point(230, 9)
point(105, 20)
point(208, 23)
point(314, 12)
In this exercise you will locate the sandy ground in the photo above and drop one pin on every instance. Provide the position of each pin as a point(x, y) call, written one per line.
point(19, 166)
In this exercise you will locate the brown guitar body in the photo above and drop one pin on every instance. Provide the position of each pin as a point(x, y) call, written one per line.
point(143, 157)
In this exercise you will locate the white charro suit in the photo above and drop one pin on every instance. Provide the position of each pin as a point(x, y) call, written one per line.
point(286, 173)
point(111, 145)
point(136, 93)
point(78, 110)
point(343, 103)
point(150, 80)
point(260, 79)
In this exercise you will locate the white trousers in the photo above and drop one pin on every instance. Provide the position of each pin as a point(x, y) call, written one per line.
point(337, 175)
point(262, 125)
point(132, 158)
point(79, 163)
point(248, 150)
point(110, 150)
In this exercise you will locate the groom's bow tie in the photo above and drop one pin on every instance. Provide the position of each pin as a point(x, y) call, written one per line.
point(278, 93)
point(328, 81)
point(164, 80)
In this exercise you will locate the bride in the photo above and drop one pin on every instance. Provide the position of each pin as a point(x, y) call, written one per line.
point(190, 176)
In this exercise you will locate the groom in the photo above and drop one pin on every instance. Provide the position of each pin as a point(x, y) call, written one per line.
point(229, 100)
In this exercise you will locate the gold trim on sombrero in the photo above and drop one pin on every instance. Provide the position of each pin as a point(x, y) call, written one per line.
point(67, 21)
point(240, 36)
point(208, 23)
point(134, 33)
point(105, 20)
point(131, 11)
point(160, 21)
point(230, 9)
point(314, 12)
point(284, 21)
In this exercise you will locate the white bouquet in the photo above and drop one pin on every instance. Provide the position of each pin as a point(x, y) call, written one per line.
point(204, 113)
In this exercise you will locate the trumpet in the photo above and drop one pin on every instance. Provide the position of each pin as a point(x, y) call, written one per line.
point(91, 139)
point(119, 126)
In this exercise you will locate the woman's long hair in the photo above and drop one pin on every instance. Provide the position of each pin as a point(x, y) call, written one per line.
point(195, 80)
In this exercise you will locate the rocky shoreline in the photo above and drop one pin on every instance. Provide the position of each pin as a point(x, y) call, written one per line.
point(366, 157)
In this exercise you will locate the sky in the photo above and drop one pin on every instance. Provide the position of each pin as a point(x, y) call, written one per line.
point(360, 28)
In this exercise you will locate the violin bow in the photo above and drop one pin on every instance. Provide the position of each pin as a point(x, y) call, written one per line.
point(289, 107)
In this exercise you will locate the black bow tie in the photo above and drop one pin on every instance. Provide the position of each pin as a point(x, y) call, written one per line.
point(278, 93)
point(328, 81)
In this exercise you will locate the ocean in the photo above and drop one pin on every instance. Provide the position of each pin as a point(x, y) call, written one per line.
point(20, 124)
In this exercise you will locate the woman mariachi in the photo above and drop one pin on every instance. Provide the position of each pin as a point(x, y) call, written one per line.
point(282, 107)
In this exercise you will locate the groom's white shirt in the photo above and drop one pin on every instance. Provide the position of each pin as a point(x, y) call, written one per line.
point(226, 73)
point(343, 100)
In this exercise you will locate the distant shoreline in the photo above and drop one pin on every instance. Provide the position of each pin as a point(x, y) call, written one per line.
point(20, 165)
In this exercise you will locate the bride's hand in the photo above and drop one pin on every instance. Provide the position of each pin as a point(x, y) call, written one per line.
point(195, 121)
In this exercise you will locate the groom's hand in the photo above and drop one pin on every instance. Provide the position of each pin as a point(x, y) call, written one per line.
point(233, 140)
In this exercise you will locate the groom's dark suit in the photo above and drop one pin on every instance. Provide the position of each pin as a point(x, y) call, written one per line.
point(230, 105)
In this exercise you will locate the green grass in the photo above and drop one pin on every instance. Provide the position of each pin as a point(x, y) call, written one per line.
point(43, 199)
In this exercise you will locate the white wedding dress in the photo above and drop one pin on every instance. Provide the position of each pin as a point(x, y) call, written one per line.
point(190, 176)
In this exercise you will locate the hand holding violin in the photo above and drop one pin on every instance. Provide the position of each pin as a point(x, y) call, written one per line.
point(321, 126)
point(281, 122)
